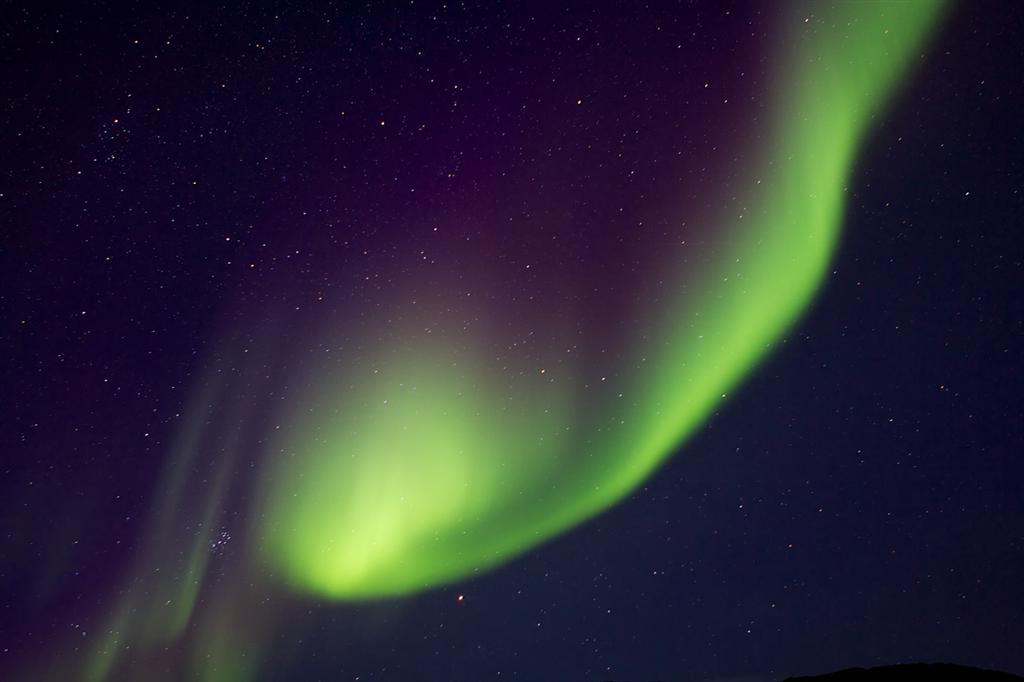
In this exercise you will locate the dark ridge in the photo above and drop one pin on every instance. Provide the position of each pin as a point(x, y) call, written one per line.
point(911, 671)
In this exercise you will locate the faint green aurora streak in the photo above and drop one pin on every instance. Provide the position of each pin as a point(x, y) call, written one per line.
point(434, 467)
point(429, 465)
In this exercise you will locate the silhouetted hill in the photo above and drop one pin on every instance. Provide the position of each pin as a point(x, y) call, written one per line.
point(911, 671)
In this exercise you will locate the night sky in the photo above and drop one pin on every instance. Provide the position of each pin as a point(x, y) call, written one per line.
point(460, 341)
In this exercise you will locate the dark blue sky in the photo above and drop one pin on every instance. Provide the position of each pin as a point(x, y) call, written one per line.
point(860, 501)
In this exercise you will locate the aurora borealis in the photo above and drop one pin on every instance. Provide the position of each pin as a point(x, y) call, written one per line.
point(379, 307)
point(439, 464)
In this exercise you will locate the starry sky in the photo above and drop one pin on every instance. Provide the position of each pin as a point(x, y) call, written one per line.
point(382, 341)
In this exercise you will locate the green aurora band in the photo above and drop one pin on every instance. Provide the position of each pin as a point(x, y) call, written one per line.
point(427, 465)
point(430, 463)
